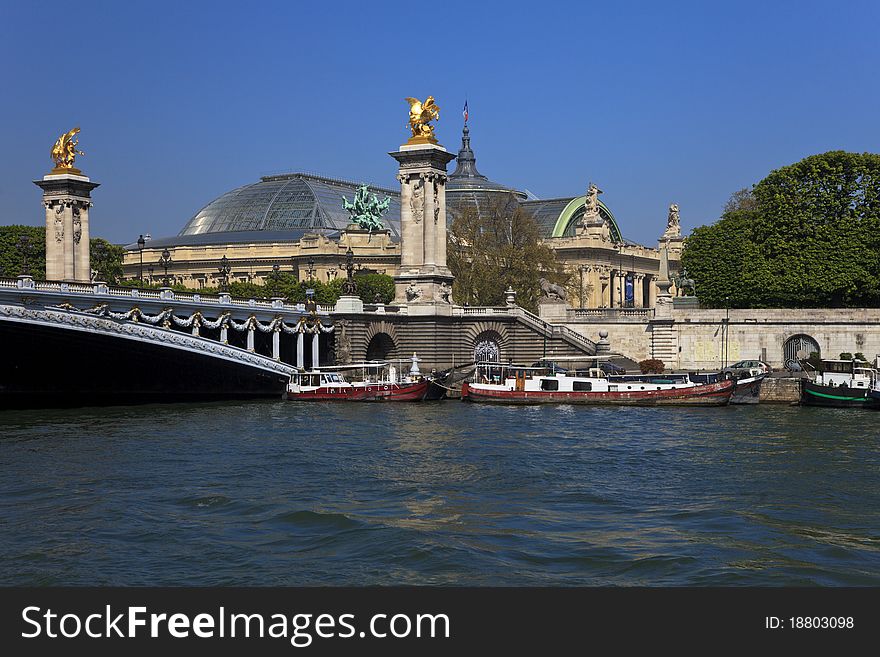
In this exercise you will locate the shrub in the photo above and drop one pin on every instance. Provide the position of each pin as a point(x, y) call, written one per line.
point(652, 366)
point(845, 355)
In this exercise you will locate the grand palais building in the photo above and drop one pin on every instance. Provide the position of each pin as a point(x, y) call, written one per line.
point(296, 223)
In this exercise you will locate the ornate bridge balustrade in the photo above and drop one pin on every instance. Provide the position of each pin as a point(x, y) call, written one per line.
point(270, 334)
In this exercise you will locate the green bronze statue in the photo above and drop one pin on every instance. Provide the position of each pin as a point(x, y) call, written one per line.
point(366, 211)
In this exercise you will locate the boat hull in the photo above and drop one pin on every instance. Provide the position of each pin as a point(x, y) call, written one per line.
point(374, 392)
point(713, 394)
point(748, 390)
point(813, 394)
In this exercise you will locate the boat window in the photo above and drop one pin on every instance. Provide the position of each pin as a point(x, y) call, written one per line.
point(549, 384)
point(581, 386)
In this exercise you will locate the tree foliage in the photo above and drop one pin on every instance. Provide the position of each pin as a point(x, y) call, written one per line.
point(813, 239)
point(500, 247)
point(23, 250)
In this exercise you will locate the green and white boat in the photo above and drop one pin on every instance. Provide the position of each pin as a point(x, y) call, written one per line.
point(841, 384)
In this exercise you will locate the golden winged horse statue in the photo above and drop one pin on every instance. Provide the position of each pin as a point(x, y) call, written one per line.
point(420, 117)
point(64, 151)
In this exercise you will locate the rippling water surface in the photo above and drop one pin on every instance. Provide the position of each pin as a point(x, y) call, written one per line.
point(280, 493)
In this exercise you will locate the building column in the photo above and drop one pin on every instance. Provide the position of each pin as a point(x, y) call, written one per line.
point(82, 268)
point(315, 355)
point(615, 289)
point(430, 219)
point(276, 343)
point(652, 290)
point(441, 217)
point(604, 288)
point(300, 356)
point(638, 290)
point(66, 199)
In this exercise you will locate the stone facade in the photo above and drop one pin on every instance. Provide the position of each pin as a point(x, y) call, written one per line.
point(694, 339)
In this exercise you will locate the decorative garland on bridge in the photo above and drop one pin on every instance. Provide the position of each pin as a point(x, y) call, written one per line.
point(136, 315)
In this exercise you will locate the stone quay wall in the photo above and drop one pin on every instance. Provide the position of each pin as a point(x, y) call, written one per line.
point(761, 333)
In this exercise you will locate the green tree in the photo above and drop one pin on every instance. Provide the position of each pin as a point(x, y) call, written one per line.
point(717, 258)
point(373, 288)
point(812, 240)
point(500, 247)
point(106, 260)
point(23, 250)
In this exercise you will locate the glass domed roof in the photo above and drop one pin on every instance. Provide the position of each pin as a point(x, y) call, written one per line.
point(292, 202)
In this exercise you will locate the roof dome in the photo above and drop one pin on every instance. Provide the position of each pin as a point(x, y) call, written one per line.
point(467, 187)
point(292, 202)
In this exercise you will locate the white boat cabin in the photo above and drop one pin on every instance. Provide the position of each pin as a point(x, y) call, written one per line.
point(592, 379)
point(846, 373)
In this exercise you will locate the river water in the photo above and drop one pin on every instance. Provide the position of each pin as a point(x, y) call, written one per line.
point(285, 493)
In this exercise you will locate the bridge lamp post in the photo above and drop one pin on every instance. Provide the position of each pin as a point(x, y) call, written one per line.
point(24, 245)
point(581, 270)
point(726, 328)
point(100, 257)
point(224, 270)
point(141, 243)
point(311, 269)
point(349, 287)
point(164, 261)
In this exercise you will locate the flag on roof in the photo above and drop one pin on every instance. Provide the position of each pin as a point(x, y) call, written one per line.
point(465, 112)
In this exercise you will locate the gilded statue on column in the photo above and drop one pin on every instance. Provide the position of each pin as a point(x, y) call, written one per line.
point(64, 152)
point(420, 117)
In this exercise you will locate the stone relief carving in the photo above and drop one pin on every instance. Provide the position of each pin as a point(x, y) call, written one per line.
point(413, 292)
point(445, 292)
point(417, 204)
point(436, 202)
point(77, 225)
point(59, 223)
point(343, 343)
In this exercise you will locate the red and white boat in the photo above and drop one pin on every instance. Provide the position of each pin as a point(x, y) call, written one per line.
point(515, 384)
point(379, 383)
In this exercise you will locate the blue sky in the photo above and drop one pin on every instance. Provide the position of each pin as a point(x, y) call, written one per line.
point(680, 102)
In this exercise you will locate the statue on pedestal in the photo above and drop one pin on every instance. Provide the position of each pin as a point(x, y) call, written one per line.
point(591, 204)
point(420, 117)
point(366, 210)
point(64, 152)
point(673, 226)
point(552, 290)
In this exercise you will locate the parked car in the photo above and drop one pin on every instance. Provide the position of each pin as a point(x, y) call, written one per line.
point(747, 367)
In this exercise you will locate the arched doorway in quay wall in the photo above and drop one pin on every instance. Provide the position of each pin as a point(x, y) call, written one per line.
point(487, 347)
point(799, 347)
point(381, 347)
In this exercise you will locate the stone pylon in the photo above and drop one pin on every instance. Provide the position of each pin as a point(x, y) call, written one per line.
point(424, 283)
point(67, 199)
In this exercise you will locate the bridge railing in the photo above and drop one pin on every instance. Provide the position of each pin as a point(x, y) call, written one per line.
point(165, 294)
point(530, 319)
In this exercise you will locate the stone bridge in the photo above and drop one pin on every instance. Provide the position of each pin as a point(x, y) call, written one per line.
point(75, 343)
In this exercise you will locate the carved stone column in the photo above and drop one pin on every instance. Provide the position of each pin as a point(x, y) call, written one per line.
point(424, 280)
point(67, 199)
point(638, 290)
